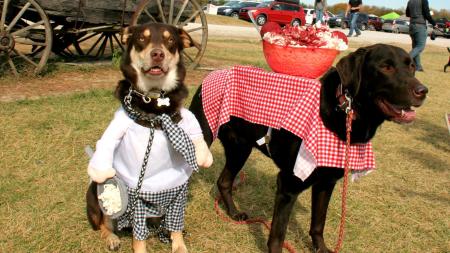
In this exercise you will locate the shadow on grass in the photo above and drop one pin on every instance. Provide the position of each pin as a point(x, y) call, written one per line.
point(257, 200)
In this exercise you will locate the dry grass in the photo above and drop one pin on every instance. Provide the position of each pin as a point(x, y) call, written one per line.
point(404, 206)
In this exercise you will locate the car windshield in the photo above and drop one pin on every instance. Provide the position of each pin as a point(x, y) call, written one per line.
point(233, 3)
point(265, 4)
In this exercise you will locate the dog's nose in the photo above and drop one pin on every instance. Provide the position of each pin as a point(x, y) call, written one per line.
point(420, 91)
point(157, 55)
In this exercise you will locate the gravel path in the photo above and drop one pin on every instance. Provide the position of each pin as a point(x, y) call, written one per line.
point(367, 36)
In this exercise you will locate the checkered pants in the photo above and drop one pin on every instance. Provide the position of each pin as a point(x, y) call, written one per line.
point(169, 204)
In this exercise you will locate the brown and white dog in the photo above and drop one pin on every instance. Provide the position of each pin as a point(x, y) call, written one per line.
point(152, 66)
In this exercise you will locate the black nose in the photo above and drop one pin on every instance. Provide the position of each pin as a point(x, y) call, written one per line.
point(420, 91)
point(157, 55)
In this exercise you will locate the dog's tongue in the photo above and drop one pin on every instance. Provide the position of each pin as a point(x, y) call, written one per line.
point(406, 116)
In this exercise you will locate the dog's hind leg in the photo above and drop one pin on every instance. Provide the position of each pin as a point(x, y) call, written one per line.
point(237, 150)
point(321, 195)
point(100, 221)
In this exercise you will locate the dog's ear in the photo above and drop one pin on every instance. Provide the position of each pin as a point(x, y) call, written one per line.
point(186, 39)
point(350, 68)
point(126, 34)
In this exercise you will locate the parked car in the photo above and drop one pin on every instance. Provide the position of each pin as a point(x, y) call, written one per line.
point(362, 22)
point(400, 26)
point(387, 25)
point(310, 15)
point(374, 23)
point(233, 9)
point(281, 13)
point(336, 20)
point(243, 12)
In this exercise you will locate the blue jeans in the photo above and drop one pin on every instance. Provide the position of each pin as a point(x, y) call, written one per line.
point(319, 16)
point(354, 24)
point(418, 35)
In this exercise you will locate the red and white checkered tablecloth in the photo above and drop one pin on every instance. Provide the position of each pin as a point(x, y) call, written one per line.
point(280, 101)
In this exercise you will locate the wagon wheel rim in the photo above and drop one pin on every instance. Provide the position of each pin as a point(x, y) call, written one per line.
point(179, 13)
point(25, 37)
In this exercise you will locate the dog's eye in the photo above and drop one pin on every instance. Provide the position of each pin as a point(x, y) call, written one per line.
point(387, 68)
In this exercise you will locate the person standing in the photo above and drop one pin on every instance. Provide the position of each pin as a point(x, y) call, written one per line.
point(320, 6)
point(353, 7)
point(418, 13)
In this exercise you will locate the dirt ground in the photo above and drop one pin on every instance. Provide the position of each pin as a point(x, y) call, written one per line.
point(65, 82)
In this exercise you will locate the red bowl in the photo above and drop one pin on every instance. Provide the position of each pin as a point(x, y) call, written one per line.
point(299, 61)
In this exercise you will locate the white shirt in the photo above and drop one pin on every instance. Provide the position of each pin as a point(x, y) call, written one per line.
point(123, 146)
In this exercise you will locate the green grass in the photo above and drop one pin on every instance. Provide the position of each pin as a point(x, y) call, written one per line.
point(404, 206)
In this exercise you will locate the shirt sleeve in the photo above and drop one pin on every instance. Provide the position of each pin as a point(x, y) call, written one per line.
point(426, 12)
point(104, 151)
point(190, 124)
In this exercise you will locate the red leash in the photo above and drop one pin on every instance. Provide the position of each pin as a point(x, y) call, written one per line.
point(267, 224)
point(348, 125)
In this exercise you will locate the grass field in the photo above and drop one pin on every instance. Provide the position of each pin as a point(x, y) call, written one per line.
point(404, 206)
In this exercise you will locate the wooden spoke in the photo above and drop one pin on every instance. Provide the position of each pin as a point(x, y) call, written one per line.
point(150, 16)
point(183, 7)
point(30, 42)
point(95, 44)
point(118, 42)
point(3, 17)
point(161, 12)
point(18, 16)
point(16, 33)
point(171, 12)
point(195, 14)
point(25, 57)
point(188, 56)
point(195, 29)
point(13, 67)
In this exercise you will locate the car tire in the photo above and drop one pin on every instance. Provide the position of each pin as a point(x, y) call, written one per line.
point(363, 27)
point(396, 31)
point(296, 22)
point(344, 25)
point(234, 14)
point(371, 27)
point(261, 19)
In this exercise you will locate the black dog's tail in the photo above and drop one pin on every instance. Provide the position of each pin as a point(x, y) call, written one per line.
point(196, 108)
point(94, 213)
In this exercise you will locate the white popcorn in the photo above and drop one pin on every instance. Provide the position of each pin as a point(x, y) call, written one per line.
point(110, 197)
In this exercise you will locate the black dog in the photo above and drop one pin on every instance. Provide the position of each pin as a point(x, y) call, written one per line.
point(380, 78)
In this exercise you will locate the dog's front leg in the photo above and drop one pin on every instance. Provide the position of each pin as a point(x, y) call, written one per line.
point(320, 198)
point(288, 189)
point(178, 245)
point(139, 246)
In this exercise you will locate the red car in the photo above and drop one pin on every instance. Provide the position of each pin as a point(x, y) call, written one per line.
point(374, 23)
point(281, 13)
point(243, 12)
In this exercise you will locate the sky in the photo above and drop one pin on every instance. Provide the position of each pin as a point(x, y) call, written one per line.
point(395, 4)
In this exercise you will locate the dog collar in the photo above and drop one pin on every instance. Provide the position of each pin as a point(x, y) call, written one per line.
point(159, 95)
point(344, 100)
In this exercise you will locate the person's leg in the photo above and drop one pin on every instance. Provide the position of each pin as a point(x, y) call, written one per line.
point(351, 25)
point(358, 32)
point(319, 16)
point(418, 35)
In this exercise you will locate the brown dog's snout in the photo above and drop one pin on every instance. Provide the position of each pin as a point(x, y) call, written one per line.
point(157, 55)
point(420, 91)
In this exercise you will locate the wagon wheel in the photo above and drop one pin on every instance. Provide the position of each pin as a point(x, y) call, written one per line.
point(181, 13)
point(95, 44)
point(25, 37)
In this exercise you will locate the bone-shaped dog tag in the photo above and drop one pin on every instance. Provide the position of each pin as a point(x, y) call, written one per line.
point(163, 102)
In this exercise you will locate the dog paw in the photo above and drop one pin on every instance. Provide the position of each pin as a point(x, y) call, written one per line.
point(241, 216)
point(202, 153)
point(113, 242)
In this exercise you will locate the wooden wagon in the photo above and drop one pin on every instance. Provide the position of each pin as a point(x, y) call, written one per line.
point(30, 30)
